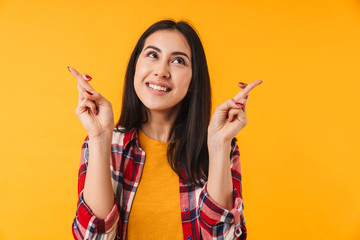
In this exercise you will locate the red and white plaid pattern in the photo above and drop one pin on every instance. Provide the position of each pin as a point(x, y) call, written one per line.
point(201, 217)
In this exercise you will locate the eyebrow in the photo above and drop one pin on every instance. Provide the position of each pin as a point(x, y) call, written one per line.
point(173, 53)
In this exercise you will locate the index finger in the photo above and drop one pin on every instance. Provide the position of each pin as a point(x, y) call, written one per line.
point(244, 92)
point(80, 79)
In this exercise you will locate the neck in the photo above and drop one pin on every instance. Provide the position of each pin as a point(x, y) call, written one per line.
point(159, 124)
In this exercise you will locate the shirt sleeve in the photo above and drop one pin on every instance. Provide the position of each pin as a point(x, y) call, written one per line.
point(217, 222)
point(86, 225)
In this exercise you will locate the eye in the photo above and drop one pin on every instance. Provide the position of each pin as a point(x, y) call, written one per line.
point(152, 54)
point(180, 60)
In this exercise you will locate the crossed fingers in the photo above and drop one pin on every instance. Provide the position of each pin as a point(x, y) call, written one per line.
point(87, 95)
point(243, 94)
point(242, 98)
point(82, 79)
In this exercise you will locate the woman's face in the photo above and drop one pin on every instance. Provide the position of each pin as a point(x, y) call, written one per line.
point(163, 70)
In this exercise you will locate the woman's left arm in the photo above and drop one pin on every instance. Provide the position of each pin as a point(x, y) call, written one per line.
point(228, 119)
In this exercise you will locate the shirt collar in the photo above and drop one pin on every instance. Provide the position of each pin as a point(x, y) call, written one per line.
point(131, 136)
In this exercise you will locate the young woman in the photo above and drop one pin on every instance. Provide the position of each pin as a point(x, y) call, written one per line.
point(165, 171)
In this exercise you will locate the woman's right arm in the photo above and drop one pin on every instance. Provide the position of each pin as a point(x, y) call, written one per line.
point(98, 191)
point(97, 209)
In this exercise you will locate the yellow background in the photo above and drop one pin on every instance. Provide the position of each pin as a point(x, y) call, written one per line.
point(299, 151)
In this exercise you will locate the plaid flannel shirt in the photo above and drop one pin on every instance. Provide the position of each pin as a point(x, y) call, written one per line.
point(201, 217)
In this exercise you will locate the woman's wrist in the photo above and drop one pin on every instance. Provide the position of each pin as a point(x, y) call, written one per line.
point(105, 136)
point(217, 142)
point(218, 149)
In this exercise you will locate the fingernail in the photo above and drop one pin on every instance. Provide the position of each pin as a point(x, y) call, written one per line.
point(69, 68)
point(89, 93)
point(260, 82)
point(88, 77)
point(241, 83)
point(239, 104)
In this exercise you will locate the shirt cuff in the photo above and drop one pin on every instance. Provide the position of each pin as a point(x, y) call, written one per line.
point(213, 214)
point(86, 217)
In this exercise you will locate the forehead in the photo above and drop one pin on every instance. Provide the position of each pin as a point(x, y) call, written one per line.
point(168, 41)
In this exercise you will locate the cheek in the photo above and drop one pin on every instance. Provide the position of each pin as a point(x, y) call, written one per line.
point(184, 83)
point(186, 79)
point(140, 71)
point(138, 79)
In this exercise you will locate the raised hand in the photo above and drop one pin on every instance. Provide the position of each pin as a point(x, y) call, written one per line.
point(230, 117)
point(93, 110)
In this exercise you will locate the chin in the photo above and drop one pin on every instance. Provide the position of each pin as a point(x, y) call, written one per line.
point(159, 107)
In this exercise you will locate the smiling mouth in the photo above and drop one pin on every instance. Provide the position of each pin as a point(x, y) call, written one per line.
point(158, 88)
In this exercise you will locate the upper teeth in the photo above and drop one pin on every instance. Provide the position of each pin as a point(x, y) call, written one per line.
point(156, 87)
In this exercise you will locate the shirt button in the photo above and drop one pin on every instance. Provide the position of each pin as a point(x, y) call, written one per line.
point(183, 182)
point(188, 237)
point(185, 210)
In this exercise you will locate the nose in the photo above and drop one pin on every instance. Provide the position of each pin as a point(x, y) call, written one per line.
point(162, 70)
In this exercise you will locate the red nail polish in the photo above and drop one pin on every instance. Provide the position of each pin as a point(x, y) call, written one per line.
point(89, 93)
point(239, 104)
point(241, 83)
point(88, 77)
point(68, 68)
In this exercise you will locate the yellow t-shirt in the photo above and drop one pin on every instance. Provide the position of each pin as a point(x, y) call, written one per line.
point(155, 212)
